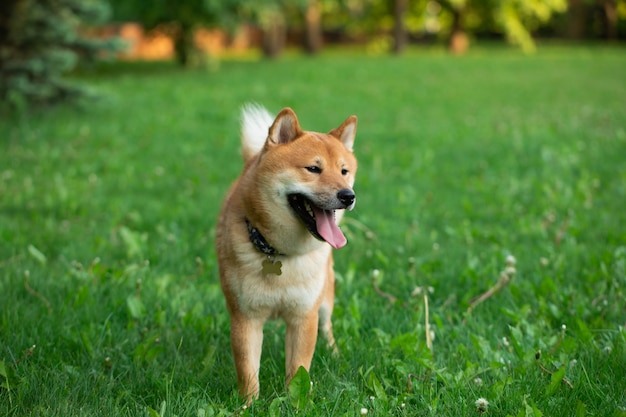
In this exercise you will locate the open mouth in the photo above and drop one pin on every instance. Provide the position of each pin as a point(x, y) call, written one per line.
point(319, 222)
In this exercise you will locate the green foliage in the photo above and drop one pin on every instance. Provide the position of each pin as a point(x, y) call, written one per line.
point(300, 389)
point(6, 382)
point(263, 12)
point(180, 19)
point(107, 223)
point(516, 19)
point(40, 42)
point(519, 18)
point(188, 12)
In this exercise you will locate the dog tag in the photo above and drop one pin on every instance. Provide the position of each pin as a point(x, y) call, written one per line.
point(271, 266)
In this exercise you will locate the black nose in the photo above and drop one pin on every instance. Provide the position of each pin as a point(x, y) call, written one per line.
point(346, 197)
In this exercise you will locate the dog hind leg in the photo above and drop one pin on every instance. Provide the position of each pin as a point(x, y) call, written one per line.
point(326, 308)
point(326, 326)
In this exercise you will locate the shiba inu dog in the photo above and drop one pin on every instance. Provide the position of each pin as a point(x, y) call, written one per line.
point(276, 230)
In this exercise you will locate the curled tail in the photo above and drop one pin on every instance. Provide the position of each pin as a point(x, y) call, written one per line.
point(255, 124)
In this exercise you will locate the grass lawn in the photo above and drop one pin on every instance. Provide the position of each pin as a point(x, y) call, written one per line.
point(109, 296)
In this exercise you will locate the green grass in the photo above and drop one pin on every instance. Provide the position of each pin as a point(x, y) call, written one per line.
point(109, 296)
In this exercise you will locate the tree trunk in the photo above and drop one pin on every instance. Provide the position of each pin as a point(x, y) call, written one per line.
point(184, 46)
point(610, 19)
point(576, 19)
point(458, 42)
point(7, 10)
point(313, 27)
point(399, 30)
point(274, 35)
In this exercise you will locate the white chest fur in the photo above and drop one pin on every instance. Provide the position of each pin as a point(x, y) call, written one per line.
point(297, 289)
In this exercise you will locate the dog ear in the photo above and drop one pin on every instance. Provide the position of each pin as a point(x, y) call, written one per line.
point(346, 132)
point(285, 127)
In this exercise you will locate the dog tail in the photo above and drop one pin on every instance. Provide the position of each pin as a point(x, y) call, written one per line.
point(255, 124)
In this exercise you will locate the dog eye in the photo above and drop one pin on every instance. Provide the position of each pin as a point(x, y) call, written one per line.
point(314, 169)
point(344, 172)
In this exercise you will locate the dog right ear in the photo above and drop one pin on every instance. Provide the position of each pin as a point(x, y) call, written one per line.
point(346, 132)
point(285, 127)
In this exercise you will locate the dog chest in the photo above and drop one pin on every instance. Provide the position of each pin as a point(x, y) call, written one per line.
point(297, 289)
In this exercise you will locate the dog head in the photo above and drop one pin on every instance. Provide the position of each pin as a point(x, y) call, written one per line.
point(310, 174)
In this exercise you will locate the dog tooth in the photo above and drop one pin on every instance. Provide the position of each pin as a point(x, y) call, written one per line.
point(308, 207)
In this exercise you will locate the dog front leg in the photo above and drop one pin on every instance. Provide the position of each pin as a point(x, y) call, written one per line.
point(300, 341)
point(246, 337)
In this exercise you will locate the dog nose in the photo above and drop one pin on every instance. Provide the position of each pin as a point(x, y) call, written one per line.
point(346, 196)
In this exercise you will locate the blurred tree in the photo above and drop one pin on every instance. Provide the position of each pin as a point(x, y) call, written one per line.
point(399, 29)
point(611, 17)
point(576, 19)
point(515, 18)
point(180, 19)
point(270, 16)
point(457, 40)
point(595, 18)
point(40, 41)
point(276, 17)
point(519, 18)
point(313, 27)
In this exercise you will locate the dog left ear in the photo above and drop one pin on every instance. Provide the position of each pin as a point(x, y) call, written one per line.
point(285, 127)
point(346, 132)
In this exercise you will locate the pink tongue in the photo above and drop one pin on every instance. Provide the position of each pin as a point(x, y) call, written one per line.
point(327, 227)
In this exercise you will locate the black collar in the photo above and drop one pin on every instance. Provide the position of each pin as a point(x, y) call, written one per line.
point(259, 241)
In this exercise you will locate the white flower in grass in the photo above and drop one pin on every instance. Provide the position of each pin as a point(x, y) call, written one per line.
point(363, 411)
point(510, 260)
point(510, 271)
point(478, 381)
point(482, 405)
